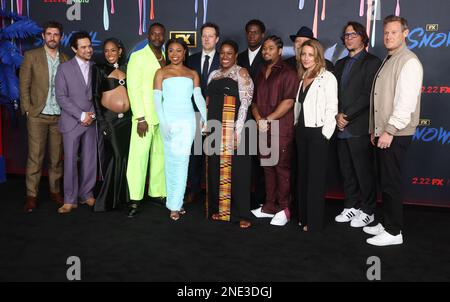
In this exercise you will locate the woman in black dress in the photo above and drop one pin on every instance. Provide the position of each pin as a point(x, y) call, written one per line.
point(113, 113)
point(229, 94)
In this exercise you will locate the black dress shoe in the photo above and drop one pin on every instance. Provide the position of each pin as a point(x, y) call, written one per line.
point(132, 210)
point(159, 201)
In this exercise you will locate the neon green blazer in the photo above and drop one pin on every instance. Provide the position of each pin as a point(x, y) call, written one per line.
point(141, 70)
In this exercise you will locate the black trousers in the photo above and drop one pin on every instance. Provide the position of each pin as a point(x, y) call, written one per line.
point(357, 165)
point(196, 169)
point(312, 155)
point(391, 164)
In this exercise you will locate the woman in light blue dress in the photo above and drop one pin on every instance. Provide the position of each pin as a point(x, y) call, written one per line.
point(174, 85)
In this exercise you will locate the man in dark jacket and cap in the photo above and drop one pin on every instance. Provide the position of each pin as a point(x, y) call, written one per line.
point(304, 34)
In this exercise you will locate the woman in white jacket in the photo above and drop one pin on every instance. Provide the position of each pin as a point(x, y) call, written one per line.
point(315, 109)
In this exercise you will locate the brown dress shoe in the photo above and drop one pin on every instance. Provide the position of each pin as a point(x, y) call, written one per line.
point(188, 198)
point(67, 208)
point(57, 198)
point(30, 204)
point(90, 201)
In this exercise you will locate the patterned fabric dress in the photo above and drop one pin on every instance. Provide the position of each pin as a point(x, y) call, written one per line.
point(229, 172)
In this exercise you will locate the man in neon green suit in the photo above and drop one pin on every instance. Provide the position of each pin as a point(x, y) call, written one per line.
point(145, 134)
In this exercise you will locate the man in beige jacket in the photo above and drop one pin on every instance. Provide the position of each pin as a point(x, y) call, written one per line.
point(394, 116)
point(38, 102)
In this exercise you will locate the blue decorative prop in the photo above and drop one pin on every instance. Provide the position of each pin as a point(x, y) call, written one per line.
point(20, 27)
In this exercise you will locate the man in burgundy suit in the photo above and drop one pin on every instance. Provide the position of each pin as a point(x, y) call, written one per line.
point(273, 102)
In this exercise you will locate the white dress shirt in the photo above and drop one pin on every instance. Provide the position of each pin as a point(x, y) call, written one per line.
point(252, 54)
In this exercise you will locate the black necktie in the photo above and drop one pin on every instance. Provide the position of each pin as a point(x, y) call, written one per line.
point(205, 71)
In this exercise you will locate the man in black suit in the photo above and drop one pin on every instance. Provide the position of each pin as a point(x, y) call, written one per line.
point(355, 74)
point(204, 63)
point(304, 34)
point(251, 58)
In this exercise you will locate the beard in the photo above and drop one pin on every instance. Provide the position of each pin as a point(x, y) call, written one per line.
point(51, 44)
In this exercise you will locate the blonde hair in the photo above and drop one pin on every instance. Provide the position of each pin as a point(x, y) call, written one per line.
point(318, 58)
point(392, 18)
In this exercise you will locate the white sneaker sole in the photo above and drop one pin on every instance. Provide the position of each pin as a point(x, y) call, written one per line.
point(396, 242)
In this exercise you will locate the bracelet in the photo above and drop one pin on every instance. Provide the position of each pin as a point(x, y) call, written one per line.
point(141, 121)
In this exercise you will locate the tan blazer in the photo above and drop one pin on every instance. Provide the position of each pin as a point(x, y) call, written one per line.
point(34, 80)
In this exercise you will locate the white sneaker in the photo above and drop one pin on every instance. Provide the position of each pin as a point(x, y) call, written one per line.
point(280, 218)
point(347, 215)
point(385, 239)
point(260, 214)
point(375, 230)
point(362, 220)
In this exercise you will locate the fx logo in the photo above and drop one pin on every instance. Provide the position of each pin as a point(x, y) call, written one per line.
point(189, 37)
point(424, 122)
point(74, 271)
point(374, 270)
point(432, 27)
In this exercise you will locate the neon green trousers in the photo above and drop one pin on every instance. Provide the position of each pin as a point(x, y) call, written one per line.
point(141, 148)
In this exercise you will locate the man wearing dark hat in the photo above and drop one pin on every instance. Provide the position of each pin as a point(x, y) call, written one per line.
point(303, 34)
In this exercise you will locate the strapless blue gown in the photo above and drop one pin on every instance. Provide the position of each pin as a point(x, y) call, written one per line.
point(180, 118)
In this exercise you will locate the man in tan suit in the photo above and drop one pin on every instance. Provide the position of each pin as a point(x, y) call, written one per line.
point(38, 102)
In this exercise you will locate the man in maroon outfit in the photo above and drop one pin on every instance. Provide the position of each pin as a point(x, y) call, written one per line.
point(275, 93)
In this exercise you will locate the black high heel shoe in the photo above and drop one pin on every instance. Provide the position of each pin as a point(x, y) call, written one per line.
point(132, 210)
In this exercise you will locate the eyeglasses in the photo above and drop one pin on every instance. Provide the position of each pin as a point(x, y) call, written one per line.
point(350, 35)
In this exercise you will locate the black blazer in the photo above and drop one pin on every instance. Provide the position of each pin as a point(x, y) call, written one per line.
point(195, 62)
point(354, 98)
point(253, 69)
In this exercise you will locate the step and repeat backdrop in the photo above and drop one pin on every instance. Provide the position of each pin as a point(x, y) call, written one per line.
point(427, 175)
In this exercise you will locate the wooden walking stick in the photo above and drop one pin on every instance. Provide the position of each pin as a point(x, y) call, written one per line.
point(206, 178)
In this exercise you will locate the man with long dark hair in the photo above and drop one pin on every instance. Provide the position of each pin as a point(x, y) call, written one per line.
point(355, 75)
